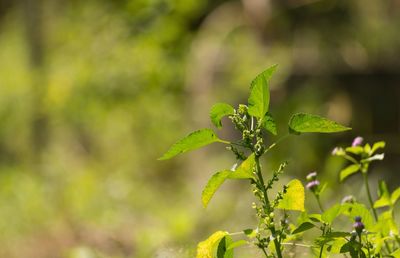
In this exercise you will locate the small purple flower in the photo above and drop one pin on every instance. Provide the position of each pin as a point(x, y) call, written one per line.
point(312, 176)
point(313, 185)
point(357, 141)
point(358, 225)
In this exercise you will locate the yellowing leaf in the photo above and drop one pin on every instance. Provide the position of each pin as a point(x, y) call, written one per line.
point(293, 199)
point(208, 248)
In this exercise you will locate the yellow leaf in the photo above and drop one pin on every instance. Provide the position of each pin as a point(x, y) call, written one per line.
point(293, 199)
point(208, 247)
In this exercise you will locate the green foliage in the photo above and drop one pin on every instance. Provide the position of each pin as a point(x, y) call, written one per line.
point(259, 93)
point(249, 120)
point(306, 123)
point(209, 248)
point(244, 171)
point(218, 111)
point(193, 141)
point(268, 123)
point(348, 171)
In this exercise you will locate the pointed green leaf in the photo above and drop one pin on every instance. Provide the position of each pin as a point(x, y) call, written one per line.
point(377, 145)
point(218, 111)
point(212, 186)
point(209, 247)
point(375, 157)
point(293, 199)
point(348, 171)
point(303, 227)
point(193, 141)
point(395, 196)
point(250, 233)
point(307, 123)
point(259, 94)
point(396, 254)
point(223, 251)
point(244, 171)
point(268, 123)
point(357, 150)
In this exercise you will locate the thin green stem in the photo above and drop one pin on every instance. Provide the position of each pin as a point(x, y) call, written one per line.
point(319, 203)
point(371, 203)
point(276, 143)
point(322, 246)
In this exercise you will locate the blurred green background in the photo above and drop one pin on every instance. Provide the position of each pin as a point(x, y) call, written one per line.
point(92, 92)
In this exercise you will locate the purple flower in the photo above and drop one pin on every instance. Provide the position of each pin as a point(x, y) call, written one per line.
point(358, 225)
point(311, 176)
point(313, 185)
point(357, 141)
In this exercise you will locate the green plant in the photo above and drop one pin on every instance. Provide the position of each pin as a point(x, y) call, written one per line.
point(274, 229)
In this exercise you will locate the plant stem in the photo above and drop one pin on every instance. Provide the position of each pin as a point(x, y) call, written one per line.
point(267, 205)
point(371, 203)
point(319, 203)
point(322, 246)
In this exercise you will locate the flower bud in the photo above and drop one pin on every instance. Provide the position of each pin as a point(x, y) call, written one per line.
point(313, 185)
point(312, 176)
point(357, 141)
point(358, 225)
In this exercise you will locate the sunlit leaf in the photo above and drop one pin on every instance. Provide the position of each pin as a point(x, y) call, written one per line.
point(223, 251)
point(378, 145)
point(348, 171)
point(212, 186)
point(193, 141)
point(307, 123)
point(258, 100)
point(293, 199)
point(209, 247)
point(244, 171)
point(355, 150)
point(395, 196)
point(375, 157)
point(268, 123)
point(218, 111)
point(384, 196)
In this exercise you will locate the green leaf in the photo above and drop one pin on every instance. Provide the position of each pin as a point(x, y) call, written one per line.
point(378, 145)
point(268, 123)
point(358, 209)
point(223, 251)
point(307, 123)
point(212, 186)
point(244, 171)
point(348, 171)
point(396, 254)
point(384, 196)
point(193, 141)
point(303, 227)
point(259, 94)
point(209, 247)
point(237, 244)
point(250, 233)
point(293, 199)
point(355, 150)
point(330, 214)
point(395, 196)
point(218, 111)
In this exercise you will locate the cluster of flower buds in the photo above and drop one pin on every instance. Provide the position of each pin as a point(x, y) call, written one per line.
point(348, 199)
point(313, 183)
point(338, 151)
point(358, 225)
point(357, 141)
